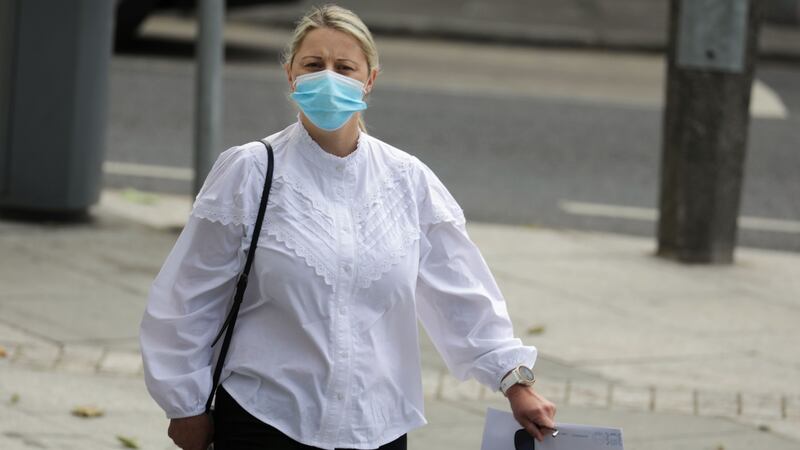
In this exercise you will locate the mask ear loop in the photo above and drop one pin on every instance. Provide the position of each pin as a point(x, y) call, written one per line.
point(366, 91)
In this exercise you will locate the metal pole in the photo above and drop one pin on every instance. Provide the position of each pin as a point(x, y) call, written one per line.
point(210, 55)
point(711, 63)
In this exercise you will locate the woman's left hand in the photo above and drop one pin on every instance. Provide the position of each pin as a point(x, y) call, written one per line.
point(534, 412)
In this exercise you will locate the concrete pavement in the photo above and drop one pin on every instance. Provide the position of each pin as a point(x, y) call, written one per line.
point(679, 356)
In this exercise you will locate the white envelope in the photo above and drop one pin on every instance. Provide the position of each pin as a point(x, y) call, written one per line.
point(500, 427)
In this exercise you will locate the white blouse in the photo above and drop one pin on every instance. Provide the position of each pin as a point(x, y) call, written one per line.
point(353, 250)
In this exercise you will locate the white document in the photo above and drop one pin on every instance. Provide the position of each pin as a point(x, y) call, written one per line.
point(500, 428)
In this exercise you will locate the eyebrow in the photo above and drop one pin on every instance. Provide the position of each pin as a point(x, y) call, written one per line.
point(338, 60)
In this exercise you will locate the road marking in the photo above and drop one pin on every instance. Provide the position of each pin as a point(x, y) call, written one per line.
point(651, 215)
point(765, 102)
point(148, 171)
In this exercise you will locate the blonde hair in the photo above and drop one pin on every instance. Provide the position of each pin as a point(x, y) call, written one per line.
point(340, 19)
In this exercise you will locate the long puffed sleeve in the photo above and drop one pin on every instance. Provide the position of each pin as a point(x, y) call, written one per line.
point(458, 300)
point(191, 294)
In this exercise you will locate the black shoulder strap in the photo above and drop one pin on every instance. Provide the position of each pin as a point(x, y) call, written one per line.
point(241, 284)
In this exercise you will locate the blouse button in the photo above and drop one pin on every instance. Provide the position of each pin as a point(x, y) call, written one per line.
point(340, 396)
point(346, 269)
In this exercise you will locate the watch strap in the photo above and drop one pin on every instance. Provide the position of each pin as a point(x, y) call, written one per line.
point(509, 380)
point(513, 378)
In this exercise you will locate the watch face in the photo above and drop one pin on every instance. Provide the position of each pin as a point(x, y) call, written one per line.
point(526, 373)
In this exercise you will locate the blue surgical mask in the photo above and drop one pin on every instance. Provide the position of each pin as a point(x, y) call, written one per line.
point(328, 99)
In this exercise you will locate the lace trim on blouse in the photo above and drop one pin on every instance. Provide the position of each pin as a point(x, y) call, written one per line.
point(290, 209)
point(386, 227)
point(388, 222)
point(225, 216)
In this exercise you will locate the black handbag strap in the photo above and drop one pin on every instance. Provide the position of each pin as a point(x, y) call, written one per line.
point(241, 283)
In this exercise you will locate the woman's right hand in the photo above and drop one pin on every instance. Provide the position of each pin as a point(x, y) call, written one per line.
point(192, 433)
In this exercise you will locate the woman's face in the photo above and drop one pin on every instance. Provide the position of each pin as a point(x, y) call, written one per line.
point(329, 49)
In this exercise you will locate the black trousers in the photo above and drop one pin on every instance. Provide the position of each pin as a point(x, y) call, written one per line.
point(236, 429)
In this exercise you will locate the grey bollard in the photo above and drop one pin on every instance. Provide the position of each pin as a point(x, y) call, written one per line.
point(54, 60)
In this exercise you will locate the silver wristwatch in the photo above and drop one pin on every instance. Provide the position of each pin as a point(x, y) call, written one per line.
point(520, 375)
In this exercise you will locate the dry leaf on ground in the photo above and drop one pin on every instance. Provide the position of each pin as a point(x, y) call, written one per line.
point(537, 329)
point(87, 411)
point(127, 442)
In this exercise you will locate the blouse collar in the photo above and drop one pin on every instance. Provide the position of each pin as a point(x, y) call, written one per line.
point(323, 159)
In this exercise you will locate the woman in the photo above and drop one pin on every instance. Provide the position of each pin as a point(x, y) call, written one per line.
point(360, 239)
